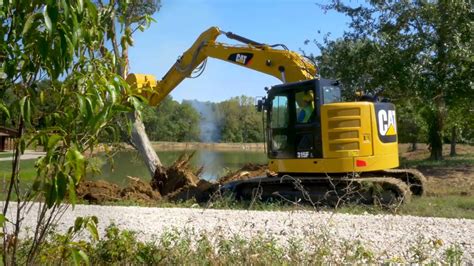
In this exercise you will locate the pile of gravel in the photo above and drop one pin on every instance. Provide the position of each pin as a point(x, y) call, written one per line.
point(387, 236)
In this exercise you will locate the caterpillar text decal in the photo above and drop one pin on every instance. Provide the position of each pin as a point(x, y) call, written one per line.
point(386, 122)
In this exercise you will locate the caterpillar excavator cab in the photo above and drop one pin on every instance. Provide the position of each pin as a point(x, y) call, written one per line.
point(319, 147)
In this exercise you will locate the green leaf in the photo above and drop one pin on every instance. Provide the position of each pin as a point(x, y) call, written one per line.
point(47, 19)
point(82, 105)
point(28, 23)
point(78, 256)
point(78, 223)
point(61, 186)
point(92, 228)
point(72, 191)
point(77, 161)
point(53, 14)
point(84, 257)
point(4, 109)
point(99, 120)
point(22, 145)
point(25, 109)
point(3, 219)
point(50, 193)
point(89, 108)
point(80, 6)
point(43, 47)
point(112, 93)
point(92, 10)
point(135, 102)
point(65, 7)
point(53, 141)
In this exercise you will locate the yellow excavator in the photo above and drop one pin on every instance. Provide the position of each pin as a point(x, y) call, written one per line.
point(319, 147)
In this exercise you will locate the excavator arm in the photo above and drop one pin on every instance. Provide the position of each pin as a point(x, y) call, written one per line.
point(283, 64)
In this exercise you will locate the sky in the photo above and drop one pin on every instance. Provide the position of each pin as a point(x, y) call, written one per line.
point(180, 22)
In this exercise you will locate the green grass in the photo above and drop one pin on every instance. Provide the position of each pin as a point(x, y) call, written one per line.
point(27, 175)
point(447, 207)
point(455, 161)
point(27, 170)
point(6, 154)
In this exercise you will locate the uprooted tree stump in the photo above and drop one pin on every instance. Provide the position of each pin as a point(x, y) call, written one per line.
point(175, 177)
point(174, 183)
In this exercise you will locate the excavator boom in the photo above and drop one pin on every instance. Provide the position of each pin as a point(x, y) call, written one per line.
point(283, 64)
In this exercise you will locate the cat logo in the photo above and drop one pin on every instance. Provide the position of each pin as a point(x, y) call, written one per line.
point(240, 58)
point(387, 122)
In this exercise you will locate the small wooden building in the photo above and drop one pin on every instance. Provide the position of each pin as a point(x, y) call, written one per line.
point(6, 138)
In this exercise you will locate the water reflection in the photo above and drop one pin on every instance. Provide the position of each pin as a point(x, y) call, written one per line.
point(215, 163)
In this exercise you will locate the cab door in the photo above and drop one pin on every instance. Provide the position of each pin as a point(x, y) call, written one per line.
point(280, 137)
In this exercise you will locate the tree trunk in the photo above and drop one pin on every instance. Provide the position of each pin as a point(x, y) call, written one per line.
point(436, 132)
point(453, 141)
point(143, 145)
point(441, 74)
point(413, 146)
point(139, 138)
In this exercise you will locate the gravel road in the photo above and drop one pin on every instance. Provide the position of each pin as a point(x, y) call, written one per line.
point(384, 235)
point(28, 155)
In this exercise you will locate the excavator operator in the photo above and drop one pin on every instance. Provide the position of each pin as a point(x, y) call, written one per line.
point(307, 107)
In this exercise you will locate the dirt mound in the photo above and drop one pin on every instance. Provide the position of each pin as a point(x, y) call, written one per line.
point(177, 176)
point(98, 191)
point(247, 171)
point(175, 183)
point(101, 191)
point(139, 190)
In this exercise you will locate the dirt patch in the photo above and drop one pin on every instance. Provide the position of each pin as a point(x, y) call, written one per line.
point(98, 191)
point(175, 183)
point(443, 181)
point(101, 191)
point(139, 190)
point(454, 176)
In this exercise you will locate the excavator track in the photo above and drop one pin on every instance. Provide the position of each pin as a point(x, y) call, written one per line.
point(415, 180)
point(319, 190)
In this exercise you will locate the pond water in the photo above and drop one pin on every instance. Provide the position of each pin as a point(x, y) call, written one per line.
point(216, 164)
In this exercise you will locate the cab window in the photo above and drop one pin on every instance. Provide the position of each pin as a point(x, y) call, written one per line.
point(280, 112)
point(304, 102)
point(331, 94)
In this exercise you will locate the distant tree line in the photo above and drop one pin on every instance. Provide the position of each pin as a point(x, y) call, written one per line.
point(233, 120)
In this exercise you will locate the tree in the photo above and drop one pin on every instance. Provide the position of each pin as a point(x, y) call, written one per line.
point(239, 120)
point(172, 121)
point(57, 89)
point(131, 15)
point(425, 51)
